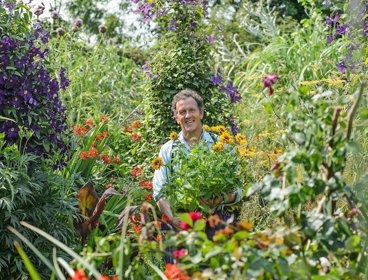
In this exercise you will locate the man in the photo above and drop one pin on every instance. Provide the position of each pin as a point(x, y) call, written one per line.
point(187, 106)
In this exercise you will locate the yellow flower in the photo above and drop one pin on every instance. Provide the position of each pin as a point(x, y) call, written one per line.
point(173, 136)
point(218, 147)
point(206, 127)
point(226, 138)
point(240, 139)
point(157, 163)
point(222, 129)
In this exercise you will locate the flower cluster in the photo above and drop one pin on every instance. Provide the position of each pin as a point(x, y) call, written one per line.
point(229, 88)
point(133, 129)
point(29, 95)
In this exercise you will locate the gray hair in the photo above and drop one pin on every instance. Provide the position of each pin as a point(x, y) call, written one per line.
point(184, 94)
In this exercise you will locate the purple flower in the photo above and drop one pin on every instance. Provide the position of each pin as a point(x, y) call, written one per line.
point(330, 38)
point(192, 24)
point(333, 21)
point(341, 29)
point(145, 66)
point(269, 80)
point(232, 91)
point(342, 67)
point(4, 61)
point(234, 126)
point(11, 129)
point(327, 3)
point(64, 81)
point(10, 5)
point(173, 25)
point(216, 79)
point(211, 39)
point(78, 22)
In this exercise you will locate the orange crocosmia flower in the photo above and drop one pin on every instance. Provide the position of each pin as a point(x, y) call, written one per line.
point(115, 277)
point(165, 218)
point(79, 275)
point(214, 220)
point(104, 134)
point(136, 137)
point(93, 153)
point(128, 128)
point(136, 124)
point(99, 137)
point(145, 184)
point(104, 118)
point(90, 123)
point(104, 277)
point(174, 272)
point(137, 171)
point(116, 159)
point(83, 155)
point(106, 159)
point(148, 196)
point(137, 228)
point(109, 185)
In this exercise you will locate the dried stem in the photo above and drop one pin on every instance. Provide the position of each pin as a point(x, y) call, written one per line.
point(353, 111)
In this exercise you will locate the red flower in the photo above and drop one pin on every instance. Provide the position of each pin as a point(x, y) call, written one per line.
point(148, 196)
point(184, 225)
point(93, 153)
point(104, 134)
point(175, 273)
point(99, 137)
point(81, 131)
point(116, 159)
point(104, 277)
point(90, 123)
point(180, 253)
point(106, 159)
point(136, 137)
point(268, 81)
point(136, 172)
point(165, 218)
point(79, 275)
point(214, 220)
point(136, 124)
point(195, 216)
point(83, 155)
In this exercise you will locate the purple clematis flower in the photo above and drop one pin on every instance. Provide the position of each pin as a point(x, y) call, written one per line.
point(330, 38)
point(232, 91)
point(216, 79)
point(342, 67)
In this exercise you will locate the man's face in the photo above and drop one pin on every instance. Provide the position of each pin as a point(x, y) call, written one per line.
point(188, 116)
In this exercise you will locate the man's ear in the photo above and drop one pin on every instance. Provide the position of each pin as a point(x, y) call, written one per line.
point(202, 114)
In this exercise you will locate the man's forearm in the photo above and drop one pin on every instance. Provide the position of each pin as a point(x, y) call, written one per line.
point(165, 208)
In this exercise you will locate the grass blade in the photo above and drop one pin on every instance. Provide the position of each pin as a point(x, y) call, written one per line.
point(31, 269)
point(158, 271)
point(65, 248)
point(33, 248)
point(59, 274)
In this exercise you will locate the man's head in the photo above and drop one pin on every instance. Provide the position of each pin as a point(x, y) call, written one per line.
point(188, 111)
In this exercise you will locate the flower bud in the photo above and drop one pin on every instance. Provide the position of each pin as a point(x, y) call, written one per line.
point(60, 31)
point(102, 28)
point(78, 22)
point(54, 15)
point(39, 10)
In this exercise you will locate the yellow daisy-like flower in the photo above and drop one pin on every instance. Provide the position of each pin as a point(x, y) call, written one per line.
point(157, 163)
point(173, 136)
point(206, 127)
point(226, 138)
point(240, 139)
point(218, 147)
point(222, 129)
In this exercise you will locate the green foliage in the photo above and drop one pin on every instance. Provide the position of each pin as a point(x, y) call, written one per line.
point(31, 193)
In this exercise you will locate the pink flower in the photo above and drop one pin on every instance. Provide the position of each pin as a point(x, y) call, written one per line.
point(180, 253)
point(268, 81)
point(184, 225)
point(195, 216)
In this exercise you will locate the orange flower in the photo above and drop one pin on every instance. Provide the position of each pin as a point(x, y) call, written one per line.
point(83, 155)
point(128, 128)
point(106, 159)
point(158, 237)
point(214, 220)
point(103, 118)
point(136, 124)
point(137, 171)
point(145, 184)
point(165, 218)
point(116, 159)
point(137, 228)
point(79, 275)
point(90, 123)
point(99, 137)
point(93, 153)
point(148, 196)
point(174, 272)
point(80, 131)
point(104, 134)
point(109, 185)
point(104, 277)
point(136, 137)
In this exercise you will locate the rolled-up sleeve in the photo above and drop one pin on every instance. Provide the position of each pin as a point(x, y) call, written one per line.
point(160, 175)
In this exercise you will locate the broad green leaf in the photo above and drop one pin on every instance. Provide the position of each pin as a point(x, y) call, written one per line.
point(31, 269)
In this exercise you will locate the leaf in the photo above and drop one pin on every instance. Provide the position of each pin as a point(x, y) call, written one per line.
point(364, 114)
point(213, 253)
point(186, 218)
point(31, 269)
point(199, 225)
point(352, 242)
point(197, 258)
point(88, 199)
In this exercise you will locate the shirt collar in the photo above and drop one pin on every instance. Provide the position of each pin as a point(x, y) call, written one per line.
point(206, 137)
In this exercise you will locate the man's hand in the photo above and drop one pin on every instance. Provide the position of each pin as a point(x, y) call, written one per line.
point(230, 197)
point(165, 208)
point(175, 222)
